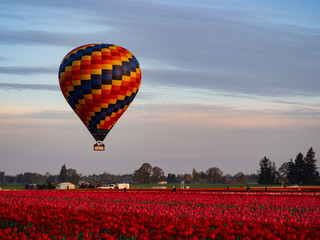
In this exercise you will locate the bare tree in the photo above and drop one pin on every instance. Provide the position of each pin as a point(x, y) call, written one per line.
point(143, 174)
point(240, 178)
point(157, 175)
point(187, 178)
point(214, 175)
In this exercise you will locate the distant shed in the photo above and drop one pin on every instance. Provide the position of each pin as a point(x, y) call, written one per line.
point(65, 185)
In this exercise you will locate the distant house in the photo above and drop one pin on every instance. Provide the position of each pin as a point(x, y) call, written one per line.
point(65, 185)
point(163, 182)
point(229, 180)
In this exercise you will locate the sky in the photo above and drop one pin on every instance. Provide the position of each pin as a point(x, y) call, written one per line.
point(224, 83)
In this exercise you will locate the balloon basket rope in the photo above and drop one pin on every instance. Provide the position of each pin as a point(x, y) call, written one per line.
point(99, 146)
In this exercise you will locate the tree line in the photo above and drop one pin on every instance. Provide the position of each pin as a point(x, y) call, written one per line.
point(65, 175)
point(147, 174)
point(302, 171)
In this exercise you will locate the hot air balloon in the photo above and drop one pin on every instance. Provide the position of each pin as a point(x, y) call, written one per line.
point(99, 81)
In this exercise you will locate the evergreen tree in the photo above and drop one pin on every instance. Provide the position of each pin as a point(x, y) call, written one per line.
point(73, 176)
point(63, 176)
point(265, 172)
point(310, 168)
point(2, 177)
point(292, 178)
point(171, 178)
point(274, 173)
point(299, 168)
point(68, 175)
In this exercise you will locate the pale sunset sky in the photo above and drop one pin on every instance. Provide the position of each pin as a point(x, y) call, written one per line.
point(224, 83)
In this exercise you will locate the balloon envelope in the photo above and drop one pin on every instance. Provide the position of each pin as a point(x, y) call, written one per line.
point(99, 81)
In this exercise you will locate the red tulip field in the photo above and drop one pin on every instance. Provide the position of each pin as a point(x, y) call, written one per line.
point(98, 214)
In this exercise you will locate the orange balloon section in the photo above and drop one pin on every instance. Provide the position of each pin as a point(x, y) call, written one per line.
point(99, 81)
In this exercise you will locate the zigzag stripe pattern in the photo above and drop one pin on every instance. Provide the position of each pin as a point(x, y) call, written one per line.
point(99, 81)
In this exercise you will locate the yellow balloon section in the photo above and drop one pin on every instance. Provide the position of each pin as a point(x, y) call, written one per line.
point(99, 81)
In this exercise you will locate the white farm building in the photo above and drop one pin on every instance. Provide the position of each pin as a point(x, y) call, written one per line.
point(65, 185)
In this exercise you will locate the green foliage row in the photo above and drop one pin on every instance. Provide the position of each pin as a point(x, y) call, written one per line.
point(218, 185)
point(12, 187)
point(168, 186)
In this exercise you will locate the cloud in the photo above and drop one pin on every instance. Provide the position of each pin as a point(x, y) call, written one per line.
point(36, 37)
point(203, 46)
point(54, 114)
point(20, 86)
point(226, 116)
point(226, 50)
point(291, 83)
point(17, 70)
point(185, 116)
point(25, 118)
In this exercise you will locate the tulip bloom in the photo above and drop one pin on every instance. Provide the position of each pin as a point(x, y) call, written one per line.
point(94, 214)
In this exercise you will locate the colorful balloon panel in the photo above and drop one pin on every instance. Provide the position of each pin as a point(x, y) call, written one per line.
point(99, 81)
